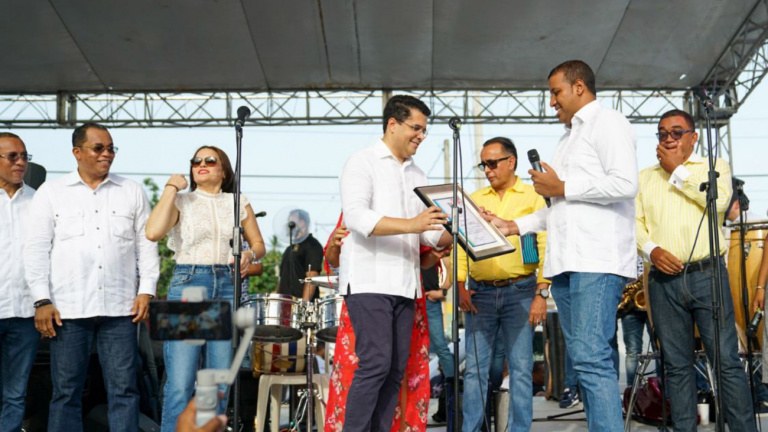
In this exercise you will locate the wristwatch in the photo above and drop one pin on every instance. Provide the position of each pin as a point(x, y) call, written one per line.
point(544, 293)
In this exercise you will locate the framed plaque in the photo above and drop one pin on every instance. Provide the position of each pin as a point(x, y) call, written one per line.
point(480, 239)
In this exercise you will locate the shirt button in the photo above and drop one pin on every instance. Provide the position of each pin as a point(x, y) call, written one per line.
point(97, 211)
point(99, 267)
point(94, 192)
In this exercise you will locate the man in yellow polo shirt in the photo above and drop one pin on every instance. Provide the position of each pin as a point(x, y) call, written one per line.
point(669, 207)
point(504, 293)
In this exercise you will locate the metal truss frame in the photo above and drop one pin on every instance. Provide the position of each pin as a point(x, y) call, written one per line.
point(743, 64)
point(306, 107)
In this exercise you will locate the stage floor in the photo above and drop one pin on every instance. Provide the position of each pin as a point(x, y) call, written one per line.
point(542, 409)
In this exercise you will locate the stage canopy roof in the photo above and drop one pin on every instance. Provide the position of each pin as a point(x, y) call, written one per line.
point(274, 45)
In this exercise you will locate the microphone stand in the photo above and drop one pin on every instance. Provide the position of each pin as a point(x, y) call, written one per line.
point(455, 210)
point(714, 255)
point(237, 248)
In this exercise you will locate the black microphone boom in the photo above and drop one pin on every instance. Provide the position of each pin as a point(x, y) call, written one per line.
point(260, 214)
point(701, 94)
point(533, 158)
point(242, 113)
point(454, 123)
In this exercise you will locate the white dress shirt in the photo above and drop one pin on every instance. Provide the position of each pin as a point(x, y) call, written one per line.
point(374, 185)
point(15, 301)
point(592, 228)
point(84, 246)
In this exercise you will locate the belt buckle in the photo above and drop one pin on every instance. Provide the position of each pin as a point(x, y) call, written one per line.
point(500, 283)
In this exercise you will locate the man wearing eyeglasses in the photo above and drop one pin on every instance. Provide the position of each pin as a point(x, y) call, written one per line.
point(379, 269)
point(85, 242)
point(18, 337)
point(670, 206)
point(590, 256)
point(506, 297)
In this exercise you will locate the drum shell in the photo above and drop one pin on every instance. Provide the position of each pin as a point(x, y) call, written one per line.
point(278, 317)
point(328, 314)
point(274, 358)
point(754, 243)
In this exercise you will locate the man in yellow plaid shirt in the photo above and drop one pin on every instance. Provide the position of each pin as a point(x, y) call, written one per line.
point(669, 207)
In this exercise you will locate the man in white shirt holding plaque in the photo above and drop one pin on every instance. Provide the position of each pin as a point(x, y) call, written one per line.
point(379, 272)
point(85, 242)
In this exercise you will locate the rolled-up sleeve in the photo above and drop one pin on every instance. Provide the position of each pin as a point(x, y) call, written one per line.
point(38, 241)
point(148, 259)
point(534, 222)
point(356, 184)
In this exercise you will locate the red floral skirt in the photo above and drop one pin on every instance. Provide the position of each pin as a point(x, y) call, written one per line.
point(414, 391)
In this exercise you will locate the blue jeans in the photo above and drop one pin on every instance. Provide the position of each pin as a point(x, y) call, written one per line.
point(18, 339)
point(117, 347)
point(437, 343)
point(632, 325)
point(587, 305)
point(506, 308)
point(182, 360)
point(675, 308)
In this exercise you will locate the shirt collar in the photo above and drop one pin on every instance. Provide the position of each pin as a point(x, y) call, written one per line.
point(74, 178)
point(695, 158)
point(381, 151)
point(517, 187)
point(586, 113)
point(18, 193)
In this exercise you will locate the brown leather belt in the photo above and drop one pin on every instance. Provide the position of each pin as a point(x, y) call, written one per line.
point(504, 282)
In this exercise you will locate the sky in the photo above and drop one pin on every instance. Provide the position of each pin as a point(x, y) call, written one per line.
point(286, 167)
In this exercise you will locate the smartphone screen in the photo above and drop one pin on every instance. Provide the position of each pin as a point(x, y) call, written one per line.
point(177, 320)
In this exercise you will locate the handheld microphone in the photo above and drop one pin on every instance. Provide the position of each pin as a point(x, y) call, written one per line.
point(260, 214)
point(242, 113)
point(533, 158)
point(291, 224)
point(701, 94)
point(752, 327)
point(454, 123)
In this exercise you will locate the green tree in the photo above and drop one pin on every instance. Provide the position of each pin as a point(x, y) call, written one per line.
point(267, 282)
point(166, 255)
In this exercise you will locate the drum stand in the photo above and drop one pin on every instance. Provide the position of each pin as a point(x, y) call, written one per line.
point(306, 403)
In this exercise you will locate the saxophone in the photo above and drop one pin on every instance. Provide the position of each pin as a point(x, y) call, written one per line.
point(633, 298)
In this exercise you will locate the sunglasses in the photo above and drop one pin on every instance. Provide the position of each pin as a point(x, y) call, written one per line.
point(492, 164)
point(15, 156)
point(100, 148)
point(676, 134)
point(210, 161)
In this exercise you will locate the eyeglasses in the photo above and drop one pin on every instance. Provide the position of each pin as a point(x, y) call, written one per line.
point(100, 148)
point(492, 164)
point(210, 161)
point(15, 156)
point(416, 128)
point(676, 134)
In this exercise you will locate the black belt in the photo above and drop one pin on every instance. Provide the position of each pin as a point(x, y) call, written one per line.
point(701, 265)
point(504, 282)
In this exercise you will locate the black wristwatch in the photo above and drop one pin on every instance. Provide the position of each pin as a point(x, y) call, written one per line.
point(43, 302)
point(544, 293)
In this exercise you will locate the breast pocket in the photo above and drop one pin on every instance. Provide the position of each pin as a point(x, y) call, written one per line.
point(68, 224)
point(122, 224)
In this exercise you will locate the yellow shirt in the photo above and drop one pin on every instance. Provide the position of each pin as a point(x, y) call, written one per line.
point(669, 208)
point(519, 200)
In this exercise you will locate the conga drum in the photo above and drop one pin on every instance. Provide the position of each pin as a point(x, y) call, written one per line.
point(754, 241)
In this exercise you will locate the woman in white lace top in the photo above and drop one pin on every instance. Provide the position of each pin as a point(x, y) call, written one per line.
point(200, 224)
